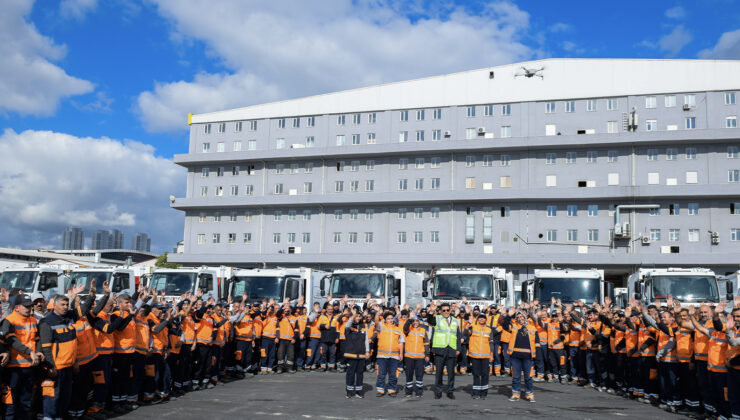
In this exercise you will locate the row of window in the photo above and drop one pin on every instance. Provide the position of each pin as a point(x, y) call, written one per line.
point(612, 104)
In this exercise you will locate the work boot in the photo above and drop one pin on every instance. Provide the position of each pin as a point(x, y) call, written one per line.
point(350, 394)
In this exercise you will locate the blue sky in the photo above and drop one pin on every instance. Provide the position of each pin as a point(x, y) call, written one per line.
point(94, 97)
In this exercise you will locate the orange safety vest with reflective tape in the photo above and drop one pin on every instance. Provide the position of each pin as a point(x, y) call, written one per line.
point(663, 339)
point(389, 343)
point(125, 340)
point(717, 358)
point(25, 330)
point(479, 346)
point(701, 343)
point(532, 333)
point(104, 341)
point(414, 346)
point(244, 329)
point(87, 348)
point(684, 344)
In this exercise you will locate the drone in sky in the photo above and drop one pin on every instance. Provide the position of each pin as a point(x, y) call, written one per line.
point(529, 73)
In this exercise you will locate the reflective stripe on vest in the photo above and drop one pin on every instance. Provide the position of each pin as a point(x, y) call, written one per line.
point(445, 334)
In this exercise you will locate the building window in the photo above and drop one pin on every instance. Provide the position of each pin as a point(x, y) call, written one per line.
point(733, 175)
point(309, 168)
point(338, 186)
point(352, 237)
point(612, 156)
point(591, 105)
point(307, 187)
point(470, 182)
point(216, 238)
point(419, 115)
point(572, 210)
point(691, 153)
point(487, 160)
point(470, 112)
point(217, 217)
point(401, 237)
point(434, 213)
point(232, 238)
point(418, 237)
point(734, 234)
point(219, 191)
point(403, 184)
point(369, 185)
point(437, 114)
point(369, 214)
point(570, 157)
point(551, 180)
point(404, 115)
point(253, 126)
point(338, 214)
point(652, 154)
point(651, 102)
point(731, 122)
point(419, 163)
point(505, 211)
point(220, 148)
point(674, 235)
point(506, 109)
point(593, 235)
point(340, 140)
point(674, 209)
point(734, 208)
point(693, 209)
point(354, 166)
point(436, 135)
point(434, 236)
point(201, 239)
point(370, 138)
point(488, 110)
point(552, 211)
point(306, 237)
point(403, 164)
point(551, 130)
point(690, 123)
point(249, 190)
point(354, 186)
point(420, 135)
point(570, 106)
point(434, 162)
point(612, 179)
point(654, 235)
point(612, 127)
point(504, 181)
point(591, 156)
point(237, 146)
point(732, 152)
point(337, 237)
point(306, 215)
point(402, 213)
point(206, 147)
point(234, 190)
point(370, 165)
point(204, 173)
point(419, 213)
point(593, 210)
point(310, 141)
point(204, 191)
point(356, 119)
point(552, 235)
point(207, 129)
point(572, 235)
point(355, 139)
point(247, 238)
point(654, 212)
point(550, 159)
point(281, 123)
point(310, 121)
point(729, 98)
point(371, 118)
point(403, 136)
point(505, 131)
point(296, 122)
point(692, 177)
point(340, 119)
point(470, 133)
point(651, 125)
point(550, 108)
point(611, 104)
point(368, 237)
point(251, 144)
point(469, 161)
point(280, 144)
point(669, 101)
point(689, 100)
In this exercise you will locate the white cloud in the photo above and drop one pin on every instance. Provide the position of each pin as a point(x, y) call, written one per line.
point(49, 180)
point(29, 82)
point(560, 27)
point(77, 9)
point(677, 12)
point(671, 44)
point(727, 48)
point(286, 49)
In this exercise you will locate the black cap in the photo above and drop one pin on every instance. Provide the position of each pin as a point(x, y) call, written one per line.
point(23, 300)
point(476, 308)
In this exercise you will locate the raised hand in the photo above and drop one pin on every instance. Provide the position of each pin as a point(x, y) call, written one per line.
point(106, 287)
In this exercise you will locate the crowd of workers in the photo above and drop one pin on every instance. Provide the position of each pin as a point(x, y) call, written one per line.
point(77, 356)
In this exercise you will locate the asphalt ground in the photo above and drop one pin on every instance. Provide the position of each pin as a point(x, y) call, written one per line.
point(314, 395)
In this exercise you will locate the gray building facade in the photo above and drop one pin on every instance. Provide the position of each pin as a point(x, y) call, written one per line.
point(73, 238)
point(511, 172)
point(141, 242)
point(107, 239)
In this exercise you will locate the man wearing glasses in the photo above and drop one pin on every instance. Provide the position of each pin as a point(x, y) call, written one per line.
point(445, 347)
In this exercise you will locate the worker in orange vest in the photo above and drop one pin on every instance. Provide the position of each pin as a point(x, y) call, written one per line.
point(313, 346)
point(58, 341)
point(390, 353)
point(20, 330)
point(286, 339)
point(522, 349)
point(416, 354)
point(205, 334)
point(480, 353)
point(718, 403)
point(124, 336)
point(733, 359)
point(357, 350)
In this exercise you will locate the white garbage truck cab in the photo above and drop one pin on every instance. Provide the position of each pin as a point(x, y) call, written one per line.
point(398, 285)
point(121, 279)
point(479, 286)
point(45, 280)
point(568, 285)
point(279, 284)
point(178, 281)
point(691, 286)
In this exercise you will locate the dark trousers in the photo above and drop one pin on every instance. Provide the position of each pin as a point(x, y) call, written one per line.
point(81, 385)
point(56, 393)
point(185, 368)
point(414, 375)
point(440, 362)
point(101, 380)
point(463, 357)
point(633, 376)
point(593, 368)
point(328, 355)
point(161, 375)
point(521, 366)
point(139, 379)
point(649, 376)
point(702, 377)
point(387, 366)
point(286, 354)
point(313, 353)
point(540, 357)
point(557, 362)
point(573, 354)
point(669, 389)
point(719, 397)
point(480, 376)
point(243, 355)
point(267, 353)
point(203, 357)
point(354, 375)
point(619, 380)
point(733, 392)
point(496, 358)
point(687, 382)
point(122, 369)
point(506, 356)
point(173, 364)
point(300, 353)
point(215, 363)
point(19, 381)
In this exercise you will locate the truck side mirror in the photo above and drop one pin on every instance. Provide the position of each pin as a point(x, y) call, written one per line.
point(424, 286)
point(638, 291)
point(729, 287)
point(504, 294)
point(322, 286)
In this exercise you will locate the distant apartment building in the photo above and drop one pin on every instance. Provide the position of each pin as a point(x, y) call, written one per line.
point(141, 242)
point(107, 239)
point(73, 238)
point(523, 166)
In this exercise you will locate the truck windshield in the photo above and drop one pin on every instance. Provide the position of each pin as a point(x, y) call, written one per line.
point(173, 283)
point(686, 288)
point(87, 278)
point(568, 290)
point(457, 286)
point(258, 288)
point(18, 280)
point(357, 285)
